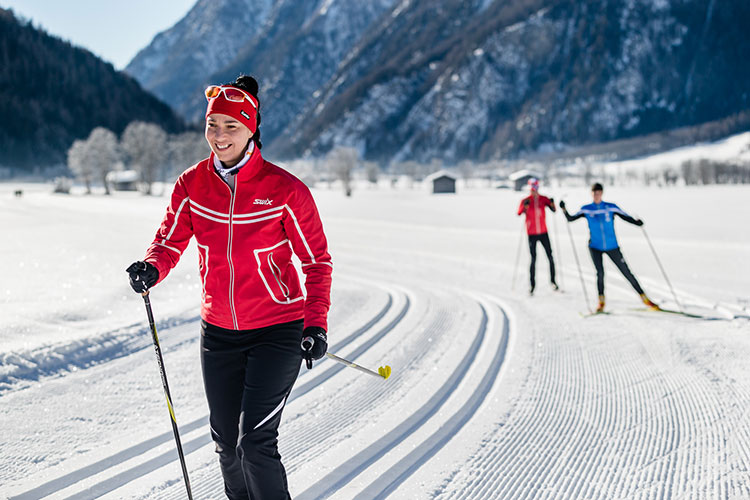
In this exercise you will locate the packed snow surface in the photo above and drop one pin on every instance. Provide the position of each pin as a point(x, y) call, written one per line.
point(494, 393)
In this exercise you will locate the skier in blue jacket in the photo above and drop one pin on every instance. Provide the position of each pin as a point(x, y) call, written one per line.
point(602, 240)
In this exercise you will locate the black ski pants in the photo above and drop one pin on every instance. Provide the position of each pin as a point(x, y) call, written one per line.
point(544, 240)
point(616, 255)
point(248, 375)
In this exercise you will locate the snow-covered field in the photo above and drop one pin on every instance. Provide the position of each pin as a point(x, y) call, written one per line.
point(494, 394)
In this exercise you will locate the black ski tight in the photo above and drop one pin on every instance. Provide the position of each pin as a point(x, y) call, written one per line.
point(544, 239)
point(616, 255)
point(248, 375)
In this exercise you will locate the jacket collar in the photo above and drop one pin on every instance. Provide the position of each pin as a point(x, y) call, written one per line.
point(245, 169)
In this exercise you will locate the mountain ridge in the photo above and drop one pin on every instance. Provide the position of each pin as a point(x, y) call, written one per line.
point(482, 79)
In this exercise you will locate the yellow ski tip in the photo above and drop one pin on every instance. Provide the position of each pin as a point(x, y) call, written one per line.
point(384, 371)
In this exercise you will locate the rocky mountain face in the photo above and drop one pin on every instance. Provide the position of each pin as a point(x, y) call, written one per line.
point(462, 79)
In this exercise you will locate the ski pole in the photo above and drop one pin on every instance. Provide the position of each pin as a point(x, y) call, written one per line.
point(663, 272)
point(518, 256)
point(580, 272)
point(559, 255)
point(383, 371)
point(160, 361)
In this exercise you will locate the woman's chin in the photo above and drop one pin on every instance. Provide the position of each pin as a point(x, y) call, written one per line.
point(226, 158)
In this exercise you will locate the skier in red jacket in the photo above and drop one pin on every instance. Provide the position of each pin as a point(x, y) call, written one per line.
point(533, 206)
point(247, 216)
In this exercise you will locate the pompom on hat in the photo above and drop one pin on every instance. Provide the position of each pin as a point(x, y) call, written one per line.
point(244, 111)
point(534, 184)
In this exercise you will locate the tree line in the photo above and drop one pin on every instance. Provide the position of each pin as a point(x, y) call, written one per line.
point(142, 147)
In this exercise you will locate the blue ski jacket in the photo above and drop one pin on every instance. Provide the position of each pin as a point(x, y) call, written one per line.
point(600, 217)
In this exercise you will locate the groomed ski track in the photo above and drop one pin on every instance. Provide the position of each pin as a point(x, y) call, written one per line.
point(494, 394)
point(352, 404)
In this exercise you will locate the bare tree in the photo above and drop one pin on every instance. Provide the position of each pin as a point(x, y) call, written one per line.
point(145, 145)
point(103, 153)
point(372, 171)
point(411, 169)
point(466, 167)
point(78, 163)
point(185, 150)
point(342, 162)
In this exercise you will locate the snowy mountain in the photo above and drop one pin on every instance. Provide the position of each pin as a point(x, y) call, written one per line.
point(182, 58)
point(459, 79)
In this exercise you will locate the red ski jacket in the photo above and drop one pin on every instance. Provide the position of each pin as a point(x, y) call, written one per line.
point(245, 242)
point(535, 215)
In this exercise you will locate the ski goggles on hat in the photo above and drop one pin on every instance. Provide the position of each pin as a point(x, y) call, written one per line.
point(232, 94)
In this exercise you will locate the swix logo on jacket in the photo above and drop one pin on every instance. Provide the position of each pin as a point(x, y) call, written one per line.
point(244, 249)
point(601, 224)
point(535, 217)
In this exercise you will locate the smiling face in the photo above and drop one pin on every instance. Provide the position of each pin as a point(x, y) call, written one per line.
point(227, 138)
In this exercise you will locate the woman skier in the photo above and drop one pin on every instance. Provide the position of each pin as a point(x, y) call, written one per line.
point(602, 240)
point(247, 216)
point(533, 206)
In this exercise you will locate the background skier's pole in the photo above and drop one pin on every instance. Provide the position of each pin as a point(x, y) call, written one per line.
point(518, 255)
point(580, 272)
point(163, 373)
point(663, 272)
point(559, 255)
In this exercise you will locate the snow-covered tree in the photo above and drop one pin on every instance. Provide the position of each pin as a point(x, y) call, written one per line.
point(145, 145)
point(372, 171)
point(466, 168)
point(103, 153)
point(342, 161)
point(78, 163)
point(185, 150)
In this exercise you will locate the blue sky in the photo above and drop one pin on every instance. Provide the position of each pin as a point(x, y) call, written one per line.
point(113, 30)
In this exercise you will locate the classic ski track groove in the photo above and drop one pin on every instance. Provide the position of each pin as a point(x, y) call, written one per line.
point(345, 473)
point(189, 446)
point(401, 471)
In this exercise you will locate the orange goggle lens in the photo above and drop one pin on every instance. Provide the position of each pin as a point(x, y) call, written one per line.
point(230, 93)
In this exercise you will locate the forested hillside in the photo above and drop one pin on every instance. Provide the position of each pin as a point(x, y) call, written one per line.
point(54, 93)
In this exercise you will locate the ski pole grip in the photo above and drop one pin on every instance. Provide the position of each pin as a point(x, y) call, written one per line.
point(307, 344)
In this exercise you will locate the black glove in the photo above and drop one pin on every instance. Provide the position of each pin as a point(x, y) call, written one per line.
point(314, 344)
point(143, 275)
point(562, 204)
point(638, 222)
point(526, 202)
point(552, 200)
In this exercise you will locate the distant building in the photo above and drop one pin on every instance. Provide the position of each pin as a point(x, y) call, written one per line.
point(123, 180)
point(442, 182)
point(521, 178)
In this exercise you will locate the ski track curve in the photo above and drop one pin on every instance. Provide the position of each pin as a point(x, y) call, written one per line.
point(392, 478)
point(364, 399)
point(138, 470)
point(359, 462)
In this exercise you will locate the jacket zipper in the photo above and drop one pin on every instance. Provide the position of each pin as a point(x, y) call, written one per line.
point(229, 257)
point(277, 275)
